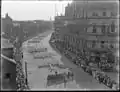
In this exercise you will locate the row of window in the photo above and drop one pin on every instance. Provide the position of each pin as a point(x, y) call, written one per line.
point(102, 44)
point(102, 29)
point(104, 13)
point(94, 14)
point(93, 44)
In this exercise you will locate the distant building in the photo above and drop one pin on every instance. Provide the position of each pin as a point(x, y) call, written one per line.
point(6, 21)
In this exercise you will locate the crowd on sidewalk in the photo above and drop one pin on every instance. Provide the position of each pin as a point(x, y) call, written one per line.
point(21, 82)
point(20, 78)
point(81, 61)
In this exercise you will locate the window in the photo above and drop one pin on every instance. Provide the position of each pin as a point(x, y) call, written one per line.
point(112, 14)
point(94, 14)
point(112, 27)
point(104, 13)
point(94, 29)
point(103, 28)
point(88, 44)
point(102, 44)
point(93, 44)
point(89, 29)
point(99, 30)
point(98, 45)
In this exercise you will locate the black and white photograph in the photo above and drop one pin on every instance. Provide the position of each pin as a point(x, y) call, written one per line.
point(57, 45)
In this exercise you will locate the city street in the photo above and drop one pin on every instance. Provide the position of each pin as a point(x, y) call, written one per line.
point(37, 76)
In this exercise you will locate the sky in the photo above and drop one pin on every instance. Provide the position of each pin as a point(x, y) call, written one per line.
point(32, 10)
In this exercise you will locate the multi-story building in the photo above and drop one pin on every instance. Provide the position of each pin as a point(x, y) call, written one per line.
point(8, 66)
point(5, 22)
point(90, 26)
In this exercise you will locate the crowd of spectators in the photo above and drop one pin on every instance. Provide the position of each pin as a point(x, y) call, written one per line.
point(78, 60)
point(20, 78)
point(21, 82)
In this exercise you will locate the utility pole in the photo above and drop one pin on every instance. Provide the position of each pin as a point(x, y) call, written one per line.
point(26, 73)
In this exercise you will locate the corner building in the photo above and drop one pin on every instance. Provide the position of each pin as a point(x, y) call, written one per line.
point(90, 27)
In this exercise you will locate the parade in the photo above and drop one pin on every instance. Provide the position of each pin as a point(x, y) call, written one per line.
point(76, 49)
point(98, 75)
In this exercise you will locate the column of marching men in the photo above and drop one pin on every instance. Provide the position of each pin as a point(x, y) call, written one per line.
point(81, 60)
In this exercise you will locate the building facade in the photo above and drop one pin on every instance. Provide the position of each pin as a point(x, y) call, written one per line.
point(90, 26)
